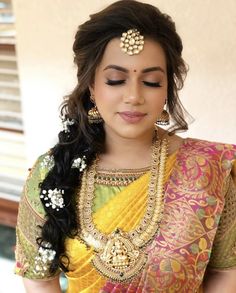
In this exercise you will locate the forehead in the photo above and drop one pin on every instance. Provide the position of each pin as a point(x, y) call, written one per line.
point(151, 55)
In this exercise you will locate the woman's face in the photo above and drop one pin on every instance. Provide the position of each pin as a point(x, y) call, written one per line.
point(130, 91)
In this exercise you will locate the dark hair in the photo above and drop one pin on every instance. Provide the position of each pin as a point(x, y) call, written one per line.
point(87, 139)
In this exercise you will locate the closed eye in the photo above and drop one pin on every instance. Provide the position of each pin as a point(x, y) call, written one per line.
point(122, 81)
point(152, 84)
point(115, 82)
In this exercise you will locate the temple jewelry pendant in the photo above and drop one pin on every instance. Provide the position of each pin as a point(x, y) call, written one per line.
point(120, 260)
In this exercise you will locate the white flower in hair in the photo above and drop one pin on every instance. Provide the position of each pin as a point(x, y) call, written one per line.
point(48, 162)
point(79, 163)
point(53, 198)
point(43, 259)
point(66, 122)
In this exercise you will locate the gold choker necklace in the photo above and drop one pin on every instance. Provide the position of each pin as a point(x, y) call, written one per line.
point(120, 256)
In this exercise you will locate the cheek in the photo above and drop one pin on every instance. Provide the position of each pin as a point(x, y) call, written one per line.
point(106, 97)
point(106, 102)
point(157, 102)
point(156, 110)
point(101, 90)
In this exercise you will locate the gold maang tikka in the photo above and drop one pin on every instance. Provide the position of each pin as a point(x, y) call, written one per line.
point(131, 42)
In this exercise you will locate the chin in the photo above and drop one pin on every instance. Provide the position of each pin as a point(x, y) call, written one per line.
point(132, 133)
point(128, 135)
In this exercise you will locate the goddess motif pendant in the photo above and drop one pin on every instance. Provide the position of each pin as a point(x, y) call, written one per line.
point(120, 260)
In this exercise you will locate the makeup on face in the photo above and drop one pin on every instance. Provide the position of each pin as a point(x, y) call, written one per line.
point(117, 75)
point(130, 91)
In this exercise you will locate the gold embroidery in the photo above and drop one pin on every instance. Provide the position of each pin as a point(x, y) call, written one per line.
point(25, 256)
point(233, 172)
point(30, 218)
point(119, 177)
point(29, 221)
point(223, 251)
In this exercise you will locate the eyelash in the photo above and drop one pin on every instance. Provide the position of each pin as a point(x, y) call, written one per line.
point(119, 82)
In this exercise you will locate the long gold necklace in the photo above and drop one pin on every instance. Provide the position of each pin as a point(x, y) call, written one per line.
point(120, 256)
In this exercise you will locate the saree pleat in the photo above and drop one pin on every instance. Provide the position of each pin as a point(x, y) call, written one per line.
point(117, 210)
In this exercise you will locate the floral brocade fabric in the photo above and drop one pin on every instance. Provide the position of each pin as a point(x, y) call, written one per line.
point(198, 228)
point(195, 225)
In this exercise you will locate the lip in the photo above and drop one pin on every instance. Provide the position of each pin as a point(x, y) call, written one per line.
point(132, 117)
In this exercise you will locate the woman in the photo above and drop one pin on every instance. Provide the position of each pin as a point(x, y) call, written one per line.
point(119, 204)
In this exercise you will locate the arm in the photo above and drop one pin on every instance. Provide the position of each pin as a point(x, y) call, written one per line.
point(220, 281)
point(30, 262)
point(48, 286)
point(220, 276)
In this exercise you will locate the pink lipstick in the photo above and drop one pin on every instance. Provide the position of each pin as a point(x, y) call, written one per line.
point(132, 117)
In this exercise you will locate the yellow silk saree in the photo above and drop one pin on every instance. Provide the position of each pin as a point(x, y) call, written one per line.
point(198, 187)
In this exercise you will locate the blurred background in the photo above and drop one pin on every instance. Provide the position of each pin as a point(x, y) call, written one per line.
point(36, 71)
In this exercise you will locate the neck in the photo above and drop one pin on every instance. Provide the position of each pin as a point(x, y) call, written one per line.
point(127, 153)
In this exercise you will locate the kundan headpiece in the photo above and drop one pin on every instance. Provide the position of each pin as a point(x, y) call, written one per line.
point(132, 42)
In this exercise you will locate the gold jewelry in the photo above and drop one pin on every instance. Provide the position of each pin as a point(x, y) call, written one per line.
point(132, 42)
point(164, 119)
point(120, 255)
point(94, 116)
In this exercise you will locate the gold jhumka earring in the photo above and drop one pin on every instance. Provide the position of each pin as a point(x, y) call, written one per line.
point(164, 118)
point(94, 117)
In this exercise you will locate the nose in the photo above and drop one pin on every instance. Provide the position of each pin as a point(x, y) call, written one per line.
point(133, 95)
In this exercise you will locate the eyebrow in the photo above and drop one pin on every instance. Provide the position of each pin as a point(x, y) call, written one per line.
point(122, 69)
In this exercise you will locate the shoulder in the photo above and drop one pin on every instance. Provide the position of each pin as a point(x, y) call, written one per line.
point(201, 142)
point(43, 164)
point(216, 154)
point(204, 166)
point(41, 167)
point(209, 147)
point(189, 147)
point(37, 174)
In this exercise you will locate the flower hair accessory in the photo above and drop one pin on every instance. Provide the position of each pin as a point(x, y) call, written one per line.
point(48, 162)
point(43, 259)
point(131, 42)
point(66, 122)
point(79, 163)
point(53, 198)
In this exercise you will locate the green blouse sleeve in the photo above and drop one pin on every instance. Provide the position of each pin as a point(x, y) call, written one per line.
point(31, 215)
point(223, 254)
